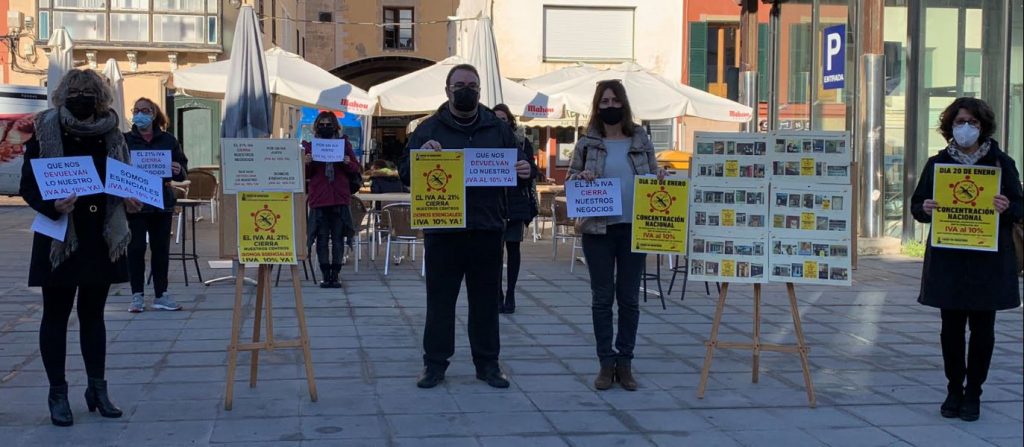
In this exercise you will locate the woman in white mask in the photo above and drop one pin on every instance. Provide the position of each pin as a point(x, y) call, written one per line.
point(969, 286)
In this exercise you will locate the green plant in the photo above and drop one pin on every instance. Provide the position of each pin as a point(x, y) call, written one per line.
point(913, 249)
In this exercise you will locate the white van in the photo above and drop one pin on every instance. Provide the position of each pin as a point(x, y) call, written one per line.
point(18, 106)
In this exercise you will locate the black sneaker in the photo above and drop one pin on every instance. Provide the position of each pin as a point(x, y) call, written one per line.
point(494, 377)
point(951, 406)
point(430, 377)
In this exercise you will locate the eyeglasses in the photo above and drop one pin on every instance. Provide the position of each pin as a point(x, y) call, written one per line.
point(143, 110)
point(972, 122)
point(462, 85)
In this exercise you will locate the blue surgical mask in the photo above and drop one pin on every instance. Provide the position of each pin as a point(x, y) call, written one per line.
point(142, 120)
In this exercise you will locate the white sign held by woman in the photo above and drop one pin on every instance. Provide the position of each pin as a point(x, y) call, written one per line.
point(59, 177)
point(128, 181)
point(328, 150)
point(156, 162)
point(600, 198)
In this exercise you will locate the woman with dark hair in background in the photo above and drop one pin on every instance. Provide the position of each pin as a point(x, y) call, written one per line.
point(148, 134)
point(329, 198)
point(969, 286)
point(522, 208)
point(614, 147)
point(92, 255)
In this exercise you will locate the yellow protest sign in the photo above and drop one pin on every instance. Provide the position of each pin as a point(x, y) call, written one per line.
point(728, 268)
point(728, 218)
point(659, 215)
point(965, 217)
point(266, 228)
point(438, 189)
point(807, 167)
point(732, 168)
point(807, 221)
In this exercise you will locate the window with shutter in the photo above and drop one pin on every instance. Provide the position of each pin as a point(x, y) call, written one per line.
point(763, 69)
point(698, 61)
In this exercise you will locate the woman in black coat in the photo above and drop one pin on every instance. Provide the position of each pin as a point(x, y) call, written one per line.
point(522, 208)
point(969, 286)
point(91, 256)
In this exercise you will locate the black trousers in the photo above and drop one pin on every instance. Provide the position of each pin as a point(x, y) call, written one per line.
point(476, 256)
point(614, 278)
point(978, 350)
point(158, 226)
point(53, 330)
point(330, 243)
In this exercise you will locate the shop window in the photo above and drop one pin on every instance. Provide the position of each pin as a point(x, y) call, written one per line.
point(800, 47)
point(117, 21)
point(609, 34)
point(398, 29)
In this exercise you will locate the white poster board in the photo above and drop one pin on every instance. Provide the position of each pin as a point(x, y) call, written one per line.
point(728, 259)
point(600, 198)
point(261, 165)
point(811, 157)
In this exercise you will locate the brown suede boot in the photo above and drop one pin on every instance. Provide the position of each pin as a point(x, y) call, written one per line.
point(624, 374)
point(604, 378)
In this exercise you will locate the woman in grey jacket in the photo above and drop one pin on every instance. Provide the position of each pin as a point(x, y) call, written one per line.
point(614, 147)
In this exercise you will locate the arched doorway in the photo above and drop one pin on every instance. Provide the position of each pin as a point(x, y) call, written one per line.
point(388, 135)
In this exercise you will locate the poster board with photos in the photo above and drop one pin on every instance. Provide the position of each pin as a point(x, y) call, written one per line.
point(728, 208)
point(811, 157)
point(723, 156)
point(728, 259)
point(810, 261)
point(818, 211)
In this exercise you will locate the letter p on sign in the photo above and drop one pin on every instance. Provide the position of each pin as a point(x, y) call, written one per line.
point(834, 57)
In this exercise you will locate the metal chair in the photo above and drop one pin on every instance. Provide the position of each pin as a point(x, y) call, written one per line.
point(563, 228)
point(398, 218)
point(360, 216)
point(545, 200)
point(203, 187)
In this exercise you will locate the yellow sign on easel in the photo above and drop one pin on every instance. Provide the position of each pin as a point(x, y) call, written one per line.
point(966, 217)
point(659, 215)
point(266, 228)
point(438, 189)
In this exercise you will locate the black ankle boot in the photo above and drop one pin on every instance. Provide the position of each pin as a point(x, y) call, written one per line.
point(951, 406)
point(325, 271)
point(96, 399)
point(60, 409)
point(509, 306)
point(970, 409)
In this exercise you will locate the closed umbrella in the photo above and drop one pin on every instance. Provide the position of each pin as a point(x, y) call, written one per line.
point(116, 81)
point(476, 45)
point(247, 104)
point(61, 59)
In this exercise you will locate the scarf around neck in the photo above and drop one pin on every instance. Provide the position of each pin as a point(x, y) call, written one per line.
point(49, 126)
point(964, 158)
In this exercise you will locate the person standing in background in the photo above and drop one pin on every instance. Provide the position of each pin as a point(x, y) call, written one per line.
point(330, 194)
point(969, 286)
point(522, 208)
point(614, 147)
point(148, 133)
point(92, 255)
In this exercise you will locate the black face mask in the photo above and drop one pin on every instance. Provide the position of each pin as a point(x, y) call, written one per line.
point(81, 107)
point(611, 115)
point(325, 131)
point(465, 99)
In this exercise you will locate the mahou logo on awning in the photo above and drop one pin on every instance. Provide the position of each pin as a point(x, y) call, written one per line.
point(539, 110)
point(353, 105)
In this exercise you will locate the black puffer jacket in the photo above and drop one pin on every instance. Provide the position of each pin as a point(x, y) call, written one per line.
point(486, 207)
point(522, 205)
point(966, 279)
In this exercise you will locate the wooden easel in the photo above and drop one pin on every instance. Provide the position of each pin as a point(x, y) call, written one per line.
point(264, 302)
point(756, 346)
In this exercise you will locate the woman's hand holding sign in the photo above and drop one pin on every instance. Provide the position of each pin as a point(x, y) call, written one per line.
point(929, 206)
point(66, 205)
point(585, 175)
point(132, 205)
point(523, 169)
point(1001, 203)
point(432, 144)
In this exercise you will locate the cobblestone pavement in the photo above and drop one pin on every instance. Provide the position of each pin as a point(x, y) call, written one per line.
point(875, 362)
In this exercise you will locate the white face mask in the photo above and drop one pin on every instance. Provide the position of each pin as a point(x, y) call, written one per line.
point(966, 135)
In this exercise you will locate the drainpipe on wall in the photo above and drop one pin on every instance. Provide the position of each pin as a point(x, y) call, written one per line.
point(870, 132)
point(748, 61)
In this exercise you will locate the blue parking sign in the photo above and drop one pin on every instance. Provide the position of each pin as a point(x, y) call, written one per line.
point(834, 57)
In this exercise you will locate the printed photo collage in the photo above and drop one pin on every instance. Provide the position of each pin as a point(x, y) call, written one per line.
point(807, 223)
point(814, 261)
point(730, 156)
point(728, 259)
point(822, 157)
point(730, 209)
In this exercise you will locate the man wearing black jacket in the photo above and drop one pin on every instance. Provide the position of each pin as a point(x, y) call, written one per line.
point(474, 252)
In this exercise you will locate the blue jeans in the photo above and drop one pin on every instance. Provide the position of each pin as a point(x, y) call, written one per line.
point(614, 277)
